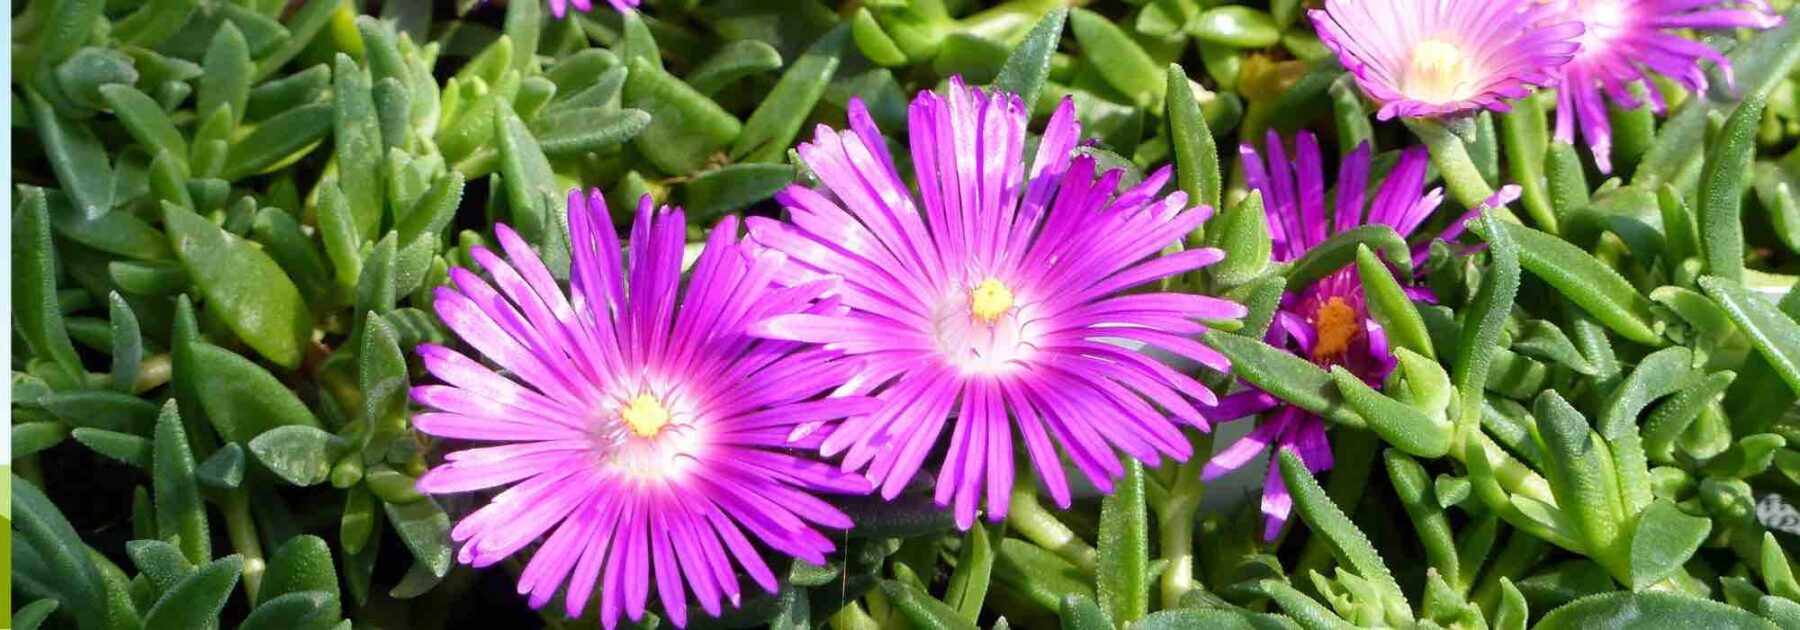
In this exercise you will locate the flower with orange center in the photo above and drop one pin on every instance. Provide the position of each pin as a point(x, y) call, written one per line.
point(1327, 321)
point(1336, 325)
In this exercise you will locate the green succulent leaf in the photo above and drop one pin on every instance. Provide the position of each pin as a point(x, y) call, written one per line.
point(1479, 343)
point(123, 447)
point(39, 319)
point(180, 515)
point(63, 565)
point(1028, 67)
point(226, 80)
point(1347, 543)
point(240, 398)
point(1773, 333)
point(299, 454)
point(686, 128)
point(1389, 305)
point(771, 129)
point(1722, 184)
point(1652, 609)
point(1340, 250)
point(920, 609)
point(1293, 379)
point(1129, 70)
point(196, 600)
point(1663, 540)
point(1124, 580)
point(302, 565)
point(1587, 282)
point(735, 188)
point(425, 529)
point(242, 285)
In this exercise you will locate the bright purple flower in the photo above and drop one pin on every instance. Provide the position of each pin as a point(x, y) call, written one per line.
point(559, 8)
point(996, 300)
point(1327, 322)
point(1424, 58)
point(642, 432)
point(1626, 41)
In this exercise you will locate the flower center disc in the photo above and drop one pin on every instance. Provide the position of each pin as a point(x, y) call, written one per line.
point(1602, 22)
point(646, 415)
point(1335, 323)
point(989, 300)
point(1438, 72)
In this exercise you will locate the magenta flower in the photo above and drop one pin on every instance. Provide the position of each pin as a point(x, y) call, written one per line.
point(1327, 322)
point(1424, 58)
point(560, 8)
point(642, 432)
point(995, 300)
point(1626, 41)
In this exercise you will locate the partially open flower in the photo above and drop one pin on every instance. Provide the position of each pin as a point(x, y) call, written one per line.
point(1626, 41)
point(1328, 321)
point(1424, 58)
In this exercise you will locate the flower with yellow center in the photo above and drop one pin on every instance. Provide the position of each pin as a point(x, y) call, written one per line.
point(646, 415)
point(1433, 58)
point(1336, 326)
point(1439, 72)
point(989, 300)
point(635, 440)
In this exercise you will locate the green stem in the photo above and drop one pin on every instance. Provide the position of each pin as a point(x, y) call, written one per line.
point(1175, 518)
point(240, 527)
point(1513, 475)
point(1452, 159)
point(1031, 520)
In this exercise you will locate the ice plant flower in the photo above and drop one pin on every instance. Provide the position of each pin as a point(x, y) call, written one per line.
point(994, 300)
point(559, 8)
point(1328, 321)
point(1428, 58)
point(640, 432)
point(1627, 40)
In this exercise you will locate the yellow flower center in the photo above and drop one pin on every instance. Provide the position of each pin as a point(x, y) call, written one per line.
point(1439, 72)
point(1336, 325)
point(989, 300)
point(645, 415)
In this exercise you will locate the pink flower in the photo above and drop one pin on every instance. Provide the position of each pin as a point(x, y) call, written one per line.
point(993, 302)
point(639, 432)
point(1327, 322)
point(1626, 41)
point(560, 7)
point(1424, 58)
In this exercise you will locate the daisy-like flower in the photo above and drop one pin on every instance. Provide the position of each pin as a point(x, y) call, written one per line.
point(1627, 40)
point(560, 8)
point(1427, 58)
point(1327, 322)
point(994, 301)
point(640, 432)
